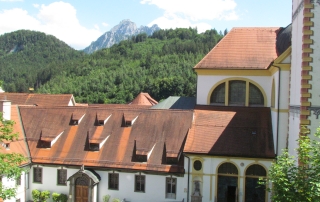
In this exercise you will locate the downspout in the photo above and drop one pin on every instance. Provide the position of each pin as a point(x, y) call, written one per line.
point(278, 115)
point(188, 176)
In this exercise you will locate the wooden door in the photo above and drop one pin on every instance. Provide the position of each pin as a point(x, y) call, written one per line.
point(82, 189)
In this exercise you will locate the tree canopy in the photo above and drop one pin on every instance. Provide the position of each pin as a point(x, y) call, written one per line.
point(297, 179)
point(160, 64)
point(9, 162)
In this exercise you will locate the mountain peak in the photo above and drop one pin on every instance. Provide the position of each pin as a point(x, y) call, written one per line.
point(122, 31)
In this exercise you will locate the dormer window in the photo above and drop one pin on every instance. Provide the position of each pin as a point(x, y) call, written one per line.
point(100, 122)
point(128, 123)
point(141, 158)
point(172, 160)
point(76, 118)
point(6, 145)
point(47, 140)
point(94, 146)
point(102, 118)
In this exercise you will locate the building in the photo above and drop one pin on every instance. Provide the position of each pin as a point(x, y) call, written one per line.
point(255, 89)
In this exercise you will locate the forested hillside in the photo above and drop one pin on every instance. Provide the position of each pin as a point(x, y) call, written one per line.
point(27, 56)
point(160, 64)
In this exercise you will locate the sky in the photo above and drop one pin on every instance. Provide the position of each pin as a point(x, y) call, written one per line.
point(80, 22)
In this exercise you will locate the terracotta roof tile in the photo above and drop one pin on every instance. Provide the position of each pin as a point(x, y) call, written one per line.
point(144, 99)
point(231, 131)
point(243, 48)
point(151, 130)
point(37, 99)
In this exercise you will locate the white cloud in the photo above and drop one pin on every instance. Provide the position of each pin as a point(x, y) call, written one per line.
point(36, 5)
point(189, 13)
point(105, 24)
point(58, 19)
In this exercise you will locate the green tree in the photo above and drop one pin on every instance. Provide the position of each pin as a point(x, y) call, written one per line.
point(9, 162)
point(297, 178)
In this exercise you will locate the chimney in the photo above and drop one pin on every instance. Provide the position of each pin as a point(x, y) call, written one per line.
point(5, 108)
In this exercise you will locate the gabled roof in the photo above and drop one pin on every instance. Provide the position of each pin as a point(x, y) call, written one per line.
point(144, 99)
point(231, 131)
point(38, 99)
point(150, 131)
point(243, 48)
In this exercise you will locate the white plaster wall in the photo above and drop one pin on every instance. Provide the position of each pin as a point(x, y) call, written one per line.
point(49, 181)
point(206, 82)
point(20, 188)
point(155, 187)
point(296, 56)
point(294, 130)
point(283, 130)
point(210, 165)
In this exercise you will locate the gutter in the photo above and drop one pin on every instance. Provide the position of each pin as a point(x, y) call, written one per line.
point(188, 176)
point(278, 110)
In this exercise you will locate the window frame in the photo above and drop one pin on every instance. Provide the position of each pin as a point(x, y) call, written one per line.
point(226, 84)
point(59, 176)
point(112, 183)
point(173, 187)
point(35, 172)
point(142, 183)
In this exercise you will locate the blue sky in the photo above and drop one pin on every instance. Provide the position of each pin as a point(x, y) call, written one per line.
point(79, 22)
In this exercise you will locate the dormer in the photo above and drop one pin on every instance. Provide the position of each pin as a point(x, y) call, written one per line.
point(76, 118)
point(170, 157)
point(47, 140)
point(95, 142)
point(129, 119)
point(102, 118)
point(141, 154)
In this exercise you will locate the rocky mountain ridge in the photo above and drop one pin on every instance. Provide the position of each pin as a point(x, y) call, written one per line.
point(122, 31)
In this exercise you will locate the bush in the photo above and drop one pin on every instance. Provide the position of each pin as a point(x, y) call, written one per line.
point(40, 196)
point(59, 197)
point(106, 198)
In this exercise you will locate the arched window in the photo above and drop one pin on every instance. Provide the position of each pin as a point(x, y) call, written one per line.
point(253, 190)
point(227, 182)
point(218, 95)
point(237, 93)
point(255, 95)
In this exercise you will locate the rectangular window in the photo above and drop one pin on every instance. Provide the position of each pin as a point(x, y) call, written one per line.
point(37, 174)
point(62, 177)
point(171, 186)
point(140, 181)
point(114, 181)
point(18, 181)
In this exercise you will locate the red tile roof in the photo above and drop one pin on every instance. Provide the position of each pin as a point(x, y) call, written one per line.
point(243, 48)
point(37, 99)
point(144, 99)
point(231, 131)
point(151, 130)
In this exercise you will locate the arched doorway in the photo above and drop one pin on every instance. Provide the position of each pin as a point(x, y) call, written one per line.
point(82, 188)
point(227, 183)
point(254, 192)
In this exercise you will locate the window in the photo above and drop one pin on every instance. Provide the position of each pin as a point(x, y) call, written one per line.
point(18, 181)
point(227, 188)
point(253, 190)
point(18, 200)
point(37, 174)
point(62, 177)
point(140, 181)
point(171, 185)
point(237, 93)
point(227, 168)
point(114, 181)
point(197, 165)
